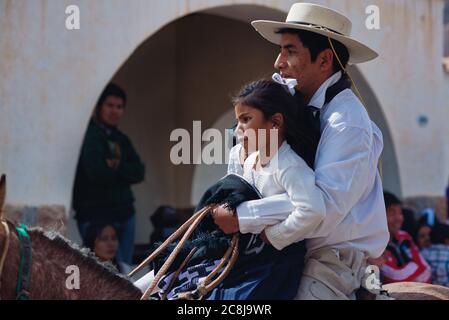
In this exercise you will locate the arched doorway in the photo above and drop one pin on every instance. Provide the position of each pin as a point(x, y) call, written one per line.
point(205, 175)
point(185, 72)
point(389, 163)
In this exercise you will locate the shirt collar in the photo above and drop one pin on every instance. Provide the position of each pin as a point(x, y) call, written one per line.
point(273, 164)
point(107, 129)
point(319, 97)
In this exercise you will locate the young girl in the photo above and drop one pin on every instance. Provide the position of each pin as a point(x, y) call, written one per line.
point(283, 166)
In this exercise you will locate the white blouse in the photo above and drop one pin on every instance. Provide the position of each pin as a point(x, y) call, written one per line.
point(235, 166)
point(286, 173)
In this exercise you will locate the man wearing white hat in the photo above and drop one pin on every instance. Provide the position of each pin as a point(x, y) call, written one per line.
point(315, 47)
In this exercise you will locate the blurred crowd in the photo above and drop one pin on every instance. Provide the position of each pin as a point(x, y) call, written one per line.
point(418, 250)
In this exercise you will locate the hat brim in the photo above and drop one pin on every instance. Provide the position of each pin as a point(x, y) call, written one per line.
point(358, 52)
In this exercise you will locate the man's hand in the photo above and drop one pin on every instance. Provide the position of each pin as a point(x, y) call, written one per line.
point(378, 261)
point(113, 163)
point(226, 220)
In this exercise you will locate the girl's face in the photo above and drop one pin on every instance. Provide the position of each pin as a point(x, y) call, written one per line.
point(423, 237)
point(106, 244)
point(252, 127)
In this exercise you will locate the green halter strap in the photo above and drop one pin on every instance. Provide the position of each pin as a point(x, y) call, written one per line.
point(23, 277)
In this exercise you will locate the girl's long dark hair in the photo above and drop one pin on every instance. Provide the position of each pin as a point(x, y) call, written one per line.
point(301, 130)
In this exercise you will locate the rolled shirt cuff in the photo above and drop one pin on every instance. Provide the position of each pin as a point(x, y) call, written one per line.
point(275, 234)
point(248, 220)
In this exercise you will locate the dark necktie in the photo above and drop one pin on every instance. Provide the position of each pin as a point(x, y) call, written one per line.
point(315, 115)
point(315, 112)
point(331, 92)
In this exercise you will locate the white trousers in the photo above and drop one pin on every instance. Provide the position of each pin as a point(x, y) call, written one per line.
point(332, 274)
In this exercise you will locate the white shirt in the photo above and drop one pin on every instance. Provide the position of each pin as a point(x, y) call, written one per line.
point(346, 172)
point(286, 173)
point(235, 166)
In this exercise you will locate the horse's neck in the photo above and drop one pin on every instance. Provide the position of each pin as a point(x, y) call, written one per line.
point(60, 271)
point(10, 269)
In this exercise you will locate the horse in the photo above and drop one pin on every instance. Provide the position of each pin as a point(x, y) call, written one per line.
point(54, 257)
point(55, 263)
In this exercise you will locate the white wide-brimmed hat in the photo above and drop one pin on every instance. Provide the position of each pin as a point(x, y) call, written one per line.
point(321, 20)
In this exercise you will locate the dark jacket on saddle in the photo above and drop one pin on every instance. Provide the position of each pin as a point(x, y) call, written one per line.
point(261, 271)
point(100, 192)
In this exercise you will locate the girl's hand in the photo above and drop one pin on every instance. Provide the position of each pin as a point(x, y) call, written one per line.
point(226, 220)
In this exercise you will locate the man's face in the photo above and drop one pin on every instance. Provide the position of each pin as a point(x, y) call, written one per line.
point(394, 218)
point(294, 61)
point(112, 111)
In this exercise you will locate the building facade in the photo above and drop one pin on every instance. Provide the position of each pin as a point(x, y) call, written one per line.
point(180, 61)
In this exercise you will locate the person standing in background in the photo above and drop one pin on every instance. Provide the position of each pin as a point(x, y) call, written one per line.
point(402, 260)
point(107, 168)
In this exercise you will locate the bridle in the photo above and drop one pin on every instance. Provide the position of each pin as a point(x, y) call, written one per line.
point(209, 283)
point(5, 226)
point(25, 264)
point(5, 250)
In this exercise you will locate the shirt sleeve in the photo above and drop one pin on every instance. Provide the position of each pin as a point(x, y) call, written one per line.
point(416, 270)
point(344, 169)
point(255, 215)
point(309, 208)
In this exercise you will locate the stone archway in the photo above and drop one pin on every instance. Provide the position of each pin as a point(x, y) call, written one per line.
point(389, 163)
point(185, 72)
point(205, 175)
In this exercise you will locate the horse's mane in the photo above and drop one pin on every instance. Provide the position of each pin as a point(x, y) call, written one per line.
point(84, 257)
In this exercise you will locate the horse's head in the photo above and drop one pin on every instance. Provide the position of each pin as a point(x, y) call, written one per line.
point(2, 194)
point(4, 228)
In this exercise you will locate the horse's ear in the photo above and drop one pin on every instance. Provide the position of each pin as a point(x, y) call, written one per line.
point(2, 192)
